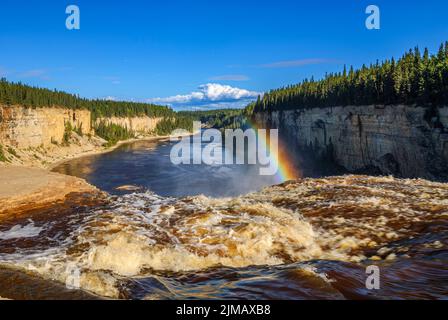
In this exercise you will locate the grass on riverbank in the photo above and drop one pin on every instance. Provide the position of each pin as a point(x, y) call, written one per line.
point(2, 155)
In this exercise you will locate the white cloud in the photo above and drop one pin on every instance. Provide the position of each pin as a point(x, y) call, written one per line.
point(211, 95)
point(110, 98)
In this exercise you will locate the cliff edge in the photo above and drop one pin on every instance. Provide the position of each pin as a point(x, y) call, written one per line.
point(406, 141)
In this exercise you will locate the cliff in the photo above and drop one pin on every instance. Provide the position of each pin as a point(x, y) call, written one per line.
point(143, 125)
point(22, 127)
point(37, 137)
point(401, 140)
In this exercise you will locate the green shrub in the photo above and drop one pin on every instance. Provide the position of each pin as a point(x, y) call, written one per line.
point(13, 152)
point(78, 130)
point(67, 133)
point(113, 133)
point(2, 155)
point(168, 125)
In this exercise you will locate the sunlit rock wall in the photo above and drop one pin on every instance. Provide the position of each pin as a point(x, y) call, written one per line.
point(402, 140)
point(23, 127)
point(142, 125)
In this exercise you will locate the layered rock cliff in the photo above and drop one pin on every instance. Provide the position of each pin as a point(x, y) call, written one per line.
point(143, 125)
point(401, 140)
point(42, 136)
point(22, 127)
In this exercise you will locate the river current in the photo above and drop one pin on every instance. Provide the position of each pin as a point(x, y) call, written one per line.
point(223, 232)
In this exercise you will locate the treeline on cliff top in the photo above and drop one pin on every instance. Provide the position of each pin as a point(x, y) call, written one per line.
point(20, 94)
point(167, 125)
point(114, 133)
point(218, 119)
point(416, 78)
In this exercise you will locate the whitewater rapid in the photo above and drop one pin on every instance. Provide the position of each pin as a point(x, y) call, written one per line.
point(352, 219)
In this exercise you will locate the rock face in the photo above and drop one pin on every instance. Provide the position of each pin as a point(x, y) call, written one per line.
point(22, 127)
point(401, 140)
point(142, 125)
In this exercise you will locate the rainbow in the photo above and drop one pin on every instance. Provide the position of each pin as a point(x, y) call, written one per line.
point(286, 169)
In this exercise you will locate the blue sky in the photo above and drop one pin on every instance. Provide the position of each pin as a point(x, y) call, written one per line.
point(203, 53)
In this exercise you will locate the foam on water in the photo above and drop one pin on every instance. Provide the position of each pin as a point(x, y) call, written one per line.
point(339, 218)
point(19, 231)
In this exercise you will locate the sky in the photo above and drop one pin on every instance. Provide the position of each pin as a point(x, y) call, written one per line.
point(203, 54)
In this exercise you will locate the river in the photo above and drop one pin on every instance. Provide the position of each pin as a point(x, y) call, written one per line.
point(147, 165)
point(197, 232)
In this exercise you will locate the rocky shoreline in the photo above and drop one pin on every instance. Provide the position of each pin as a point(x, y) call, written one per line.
point(22, 188)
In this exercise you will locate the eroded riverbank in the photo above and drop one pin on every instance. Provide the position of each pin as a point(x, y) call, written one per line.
point(24, 188)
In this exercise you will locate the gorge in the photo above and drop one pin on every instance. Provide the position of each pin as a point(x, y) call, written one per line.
point(135, 225)
point(399, 140)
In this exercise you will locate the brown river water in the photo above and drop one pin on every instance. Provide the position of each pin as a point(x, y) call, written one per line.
point(310, 239)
